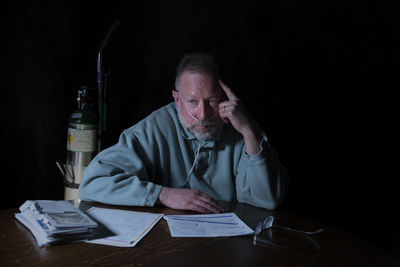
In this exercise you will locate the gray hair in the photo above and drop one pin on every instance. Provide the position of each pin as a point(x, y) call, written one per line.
point(197, 63)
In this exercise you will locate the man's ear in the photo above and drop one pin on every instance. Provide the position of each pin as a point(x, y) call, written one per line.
point(176, 96)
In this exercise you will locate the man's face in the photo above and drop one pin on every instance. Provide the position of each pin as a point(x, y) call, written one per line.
point(197, 103)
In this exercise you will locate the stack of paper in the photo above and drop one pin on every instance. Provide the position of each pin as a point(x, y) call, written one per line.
point(53, 222)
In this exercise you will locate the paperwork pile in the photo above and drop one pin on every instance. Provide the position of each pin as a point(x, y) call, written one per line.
point(53, 222)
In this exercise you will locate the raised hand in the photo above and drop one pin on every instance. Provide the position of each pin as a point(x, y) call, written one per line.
point(234, 112)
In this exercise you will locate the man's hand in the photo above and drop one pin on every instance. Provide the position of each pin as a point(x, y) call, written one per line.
point(234, 112)
point(188, 199)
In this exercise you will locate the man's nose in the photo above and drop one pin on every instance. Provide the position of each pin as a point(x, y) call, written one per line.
point(203, 111)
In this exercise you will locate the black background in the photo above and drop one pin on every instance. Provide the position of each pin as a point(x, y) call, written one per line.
point(313, 74)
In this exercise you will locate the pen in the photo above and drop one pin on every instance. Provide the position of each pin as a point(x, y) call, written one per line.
point(60, 167)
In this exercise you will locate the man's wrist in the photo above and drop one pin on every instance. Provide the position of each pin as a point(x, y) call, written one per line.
point(252, 139)
point(161, 196)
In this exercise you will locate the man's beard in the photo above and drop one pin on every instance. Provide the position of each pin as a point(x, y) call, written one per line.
point(207, 134)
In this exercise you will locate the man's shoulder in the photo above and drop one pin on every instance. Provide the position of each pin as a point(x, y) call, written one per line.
point(162, 119)
point(167, 112)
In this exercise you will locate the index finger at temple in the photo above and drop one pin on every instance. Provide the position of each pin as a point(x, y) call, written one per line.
point(229, 93)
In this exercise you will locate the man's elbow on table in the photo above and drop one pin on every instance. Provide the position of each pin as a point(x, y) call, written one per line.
point(265, 197)
point(84, 190)
point(91, 187)
point(269, 204)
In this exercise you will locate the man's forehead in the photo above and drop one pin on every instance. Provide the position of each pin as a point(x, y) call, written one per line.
point(198, 84)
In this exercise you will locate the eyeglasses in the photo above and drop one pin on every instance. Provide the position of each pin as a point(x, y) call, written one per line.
point(269, 224)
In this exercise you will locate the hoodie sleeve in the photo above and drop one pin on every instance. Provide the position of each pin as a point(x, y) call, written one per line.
point(118, 175)
point(261, 180)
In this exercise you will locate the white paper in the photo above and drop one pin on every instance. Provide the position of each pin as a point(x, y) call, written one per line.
point(128, 226)
point(207, 225)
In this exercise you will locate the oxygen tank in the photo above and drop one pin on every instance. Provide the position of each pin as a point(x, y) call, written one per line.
point(85, 130)
point(81, 144)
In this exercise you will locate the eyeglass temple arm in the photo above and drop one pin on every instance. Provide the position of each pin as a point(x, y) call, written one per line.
point(298, 231)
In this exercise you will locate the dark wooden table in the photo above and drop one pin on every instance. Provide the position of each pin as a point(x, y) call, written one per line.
point(19, 248)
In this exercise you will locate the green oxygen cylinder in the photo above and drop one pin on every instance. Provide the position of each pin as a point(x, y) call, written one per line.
point(81, 144)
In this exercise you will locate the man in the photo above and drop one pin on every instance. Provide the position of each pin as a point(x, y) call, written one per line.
point(187, 155)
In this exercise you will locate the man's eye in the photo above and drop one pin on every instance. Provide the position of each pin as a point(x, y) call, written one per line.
point(213, 102)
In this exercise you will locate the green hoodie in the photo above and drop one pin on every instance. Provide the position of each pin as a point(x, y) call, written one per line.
point(158, 151)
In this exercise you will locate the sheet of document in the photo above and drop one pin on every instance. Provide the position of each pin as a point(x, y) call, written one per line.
point(207, 225)
point(128, 227)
